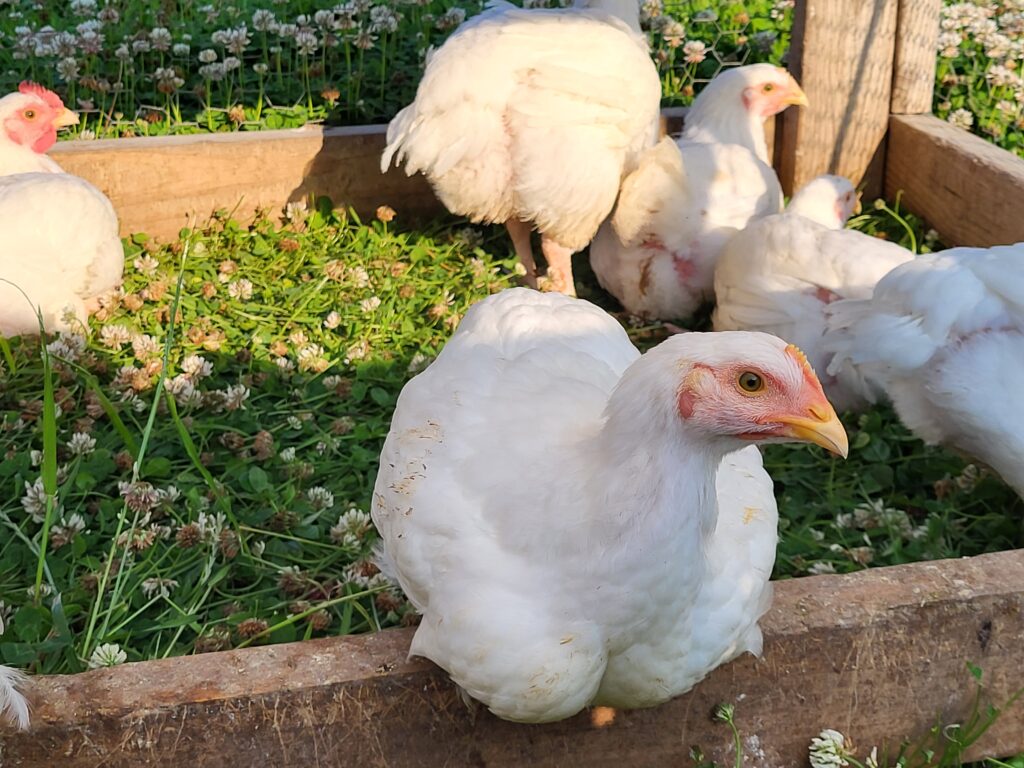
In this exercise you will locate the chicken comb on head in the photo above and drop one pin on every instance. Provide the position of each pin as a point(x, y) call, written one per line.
point(35, 89)
point(798, 354)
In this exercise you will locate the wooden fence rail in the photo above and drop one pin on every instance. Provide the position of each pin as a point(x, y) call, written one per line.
point(880, 655)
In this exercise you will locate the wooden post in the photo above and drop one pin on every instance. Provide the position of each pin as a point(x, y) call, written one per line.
point(842, 55)
point(878, 654)
point(913, 77)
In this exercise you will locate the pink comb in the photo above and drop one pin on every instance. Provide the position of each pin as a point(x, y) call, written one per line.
point(51, 98)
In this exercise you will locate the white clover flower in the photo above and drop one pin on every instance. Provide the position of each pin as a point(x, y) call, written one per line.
point(214, 72)
point(107, 655)
point(81, 444)
point(332, 321)
point(66, 531)
point(260, 68)
point(235, 397)
point(68, 346)
point(263, 20)
point(695, 51)
point(34, 500)
point(961, 118)
point(207, 56)
point(196, 367)
point(83, 7)
point(115, 336)
point(123, 52)
point(160, 39)
point(257, 548)
point(68, 68)
point(141, 46)
point(828, 750)
point(418, 362)
point(284, 365)
point(357, 351)
point(158, 586)
point(311, 358)
point(295, 423)
point(147, 265)
point(364, 40)
point(306, 42)
point(287, 455)
point(320, 498)
point(144, 347)
point(45, 590)
point(240, 289)
point(231, 63)
point(370, 305)
point(820, 567)
point(181, 49)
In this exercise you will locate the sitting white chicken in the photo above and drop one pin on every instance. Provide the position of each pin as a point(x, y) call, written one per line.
point(780, 274)
point(581, 524)
point(944, 335)
point(531, 118)
point(59, 241)
point(687, 197)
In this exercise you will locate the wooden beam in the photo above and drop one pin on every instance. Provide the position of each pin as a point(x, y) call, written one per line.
point(157, 184)
point(968, 189)
point(842, 55)
point(878, 655)
point(913, 77)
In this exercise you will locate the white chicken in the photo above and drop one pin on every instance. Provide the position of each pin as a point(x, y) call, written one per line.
point(780, 274)
point(687, 197)
point(531, 118)
point(581, 524)
point(944, 335)
point(59, 242)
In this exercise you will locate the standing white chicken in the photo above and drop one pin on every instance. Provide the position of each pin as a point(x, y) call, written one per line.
point(531, 118)
point(578, 523)
point(59, 240)
point(687, 197)
point(944, 335)
point(780, 274)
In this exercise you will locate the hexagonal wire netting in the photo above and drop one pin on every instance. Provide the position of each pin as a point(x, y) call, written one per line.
point(693, 40)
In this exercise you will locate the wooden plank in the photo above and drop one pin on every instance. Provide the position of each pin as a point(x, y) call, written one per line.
point(842, 55)
point(157, 184)
point(913, 77)
point(968, 189)
point(878, 654)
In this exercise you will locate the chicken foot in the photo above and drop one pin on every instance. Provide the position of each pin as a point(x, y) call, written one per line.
point(559, 260)
point(520, 232)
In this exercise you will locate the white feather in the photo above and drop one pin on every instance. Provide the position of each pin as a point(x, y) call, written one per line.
point(944, 335)
point(59, 244)
point(541, 506)
point(779, 274)
point(533, 114)
point(13, 705)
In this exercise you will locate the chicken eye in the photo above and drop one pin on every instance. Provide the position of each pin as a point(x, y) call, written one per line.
point(30, 114)
point(768, 87)
point(750, 382)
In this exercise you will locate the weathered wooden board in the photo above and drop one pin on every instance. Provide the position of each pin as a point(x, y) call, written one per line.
point(878, 655)
point(968, 189)
point(913, 76)
point(842, 55)
point(157, 184)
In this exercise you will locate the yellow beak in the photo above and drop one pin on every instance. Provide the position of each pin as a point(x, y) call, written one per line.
point(822, 428)
point(66, 118)
point(797, 96)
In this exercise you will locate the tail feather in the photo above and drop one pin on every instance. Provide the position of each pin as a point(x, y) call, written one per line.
point(398, 132)
point(13, 705)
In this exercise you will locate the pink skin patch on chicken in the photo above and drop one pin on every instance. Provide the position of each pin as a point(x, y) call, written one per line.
point(825, 296)
point(685, 268)
point(653, 244)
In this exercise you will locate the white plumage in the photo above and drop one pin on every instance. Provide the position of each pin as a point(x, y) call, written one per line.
point(687, 197)
point(59, 244)
point(561, 529)
point(532, 118)
point(780, 274)
point(944, 335)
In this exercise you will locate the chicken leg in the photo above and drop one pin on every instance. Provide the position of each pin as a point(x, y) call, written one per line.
point(559, 260)
point(520, 232)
